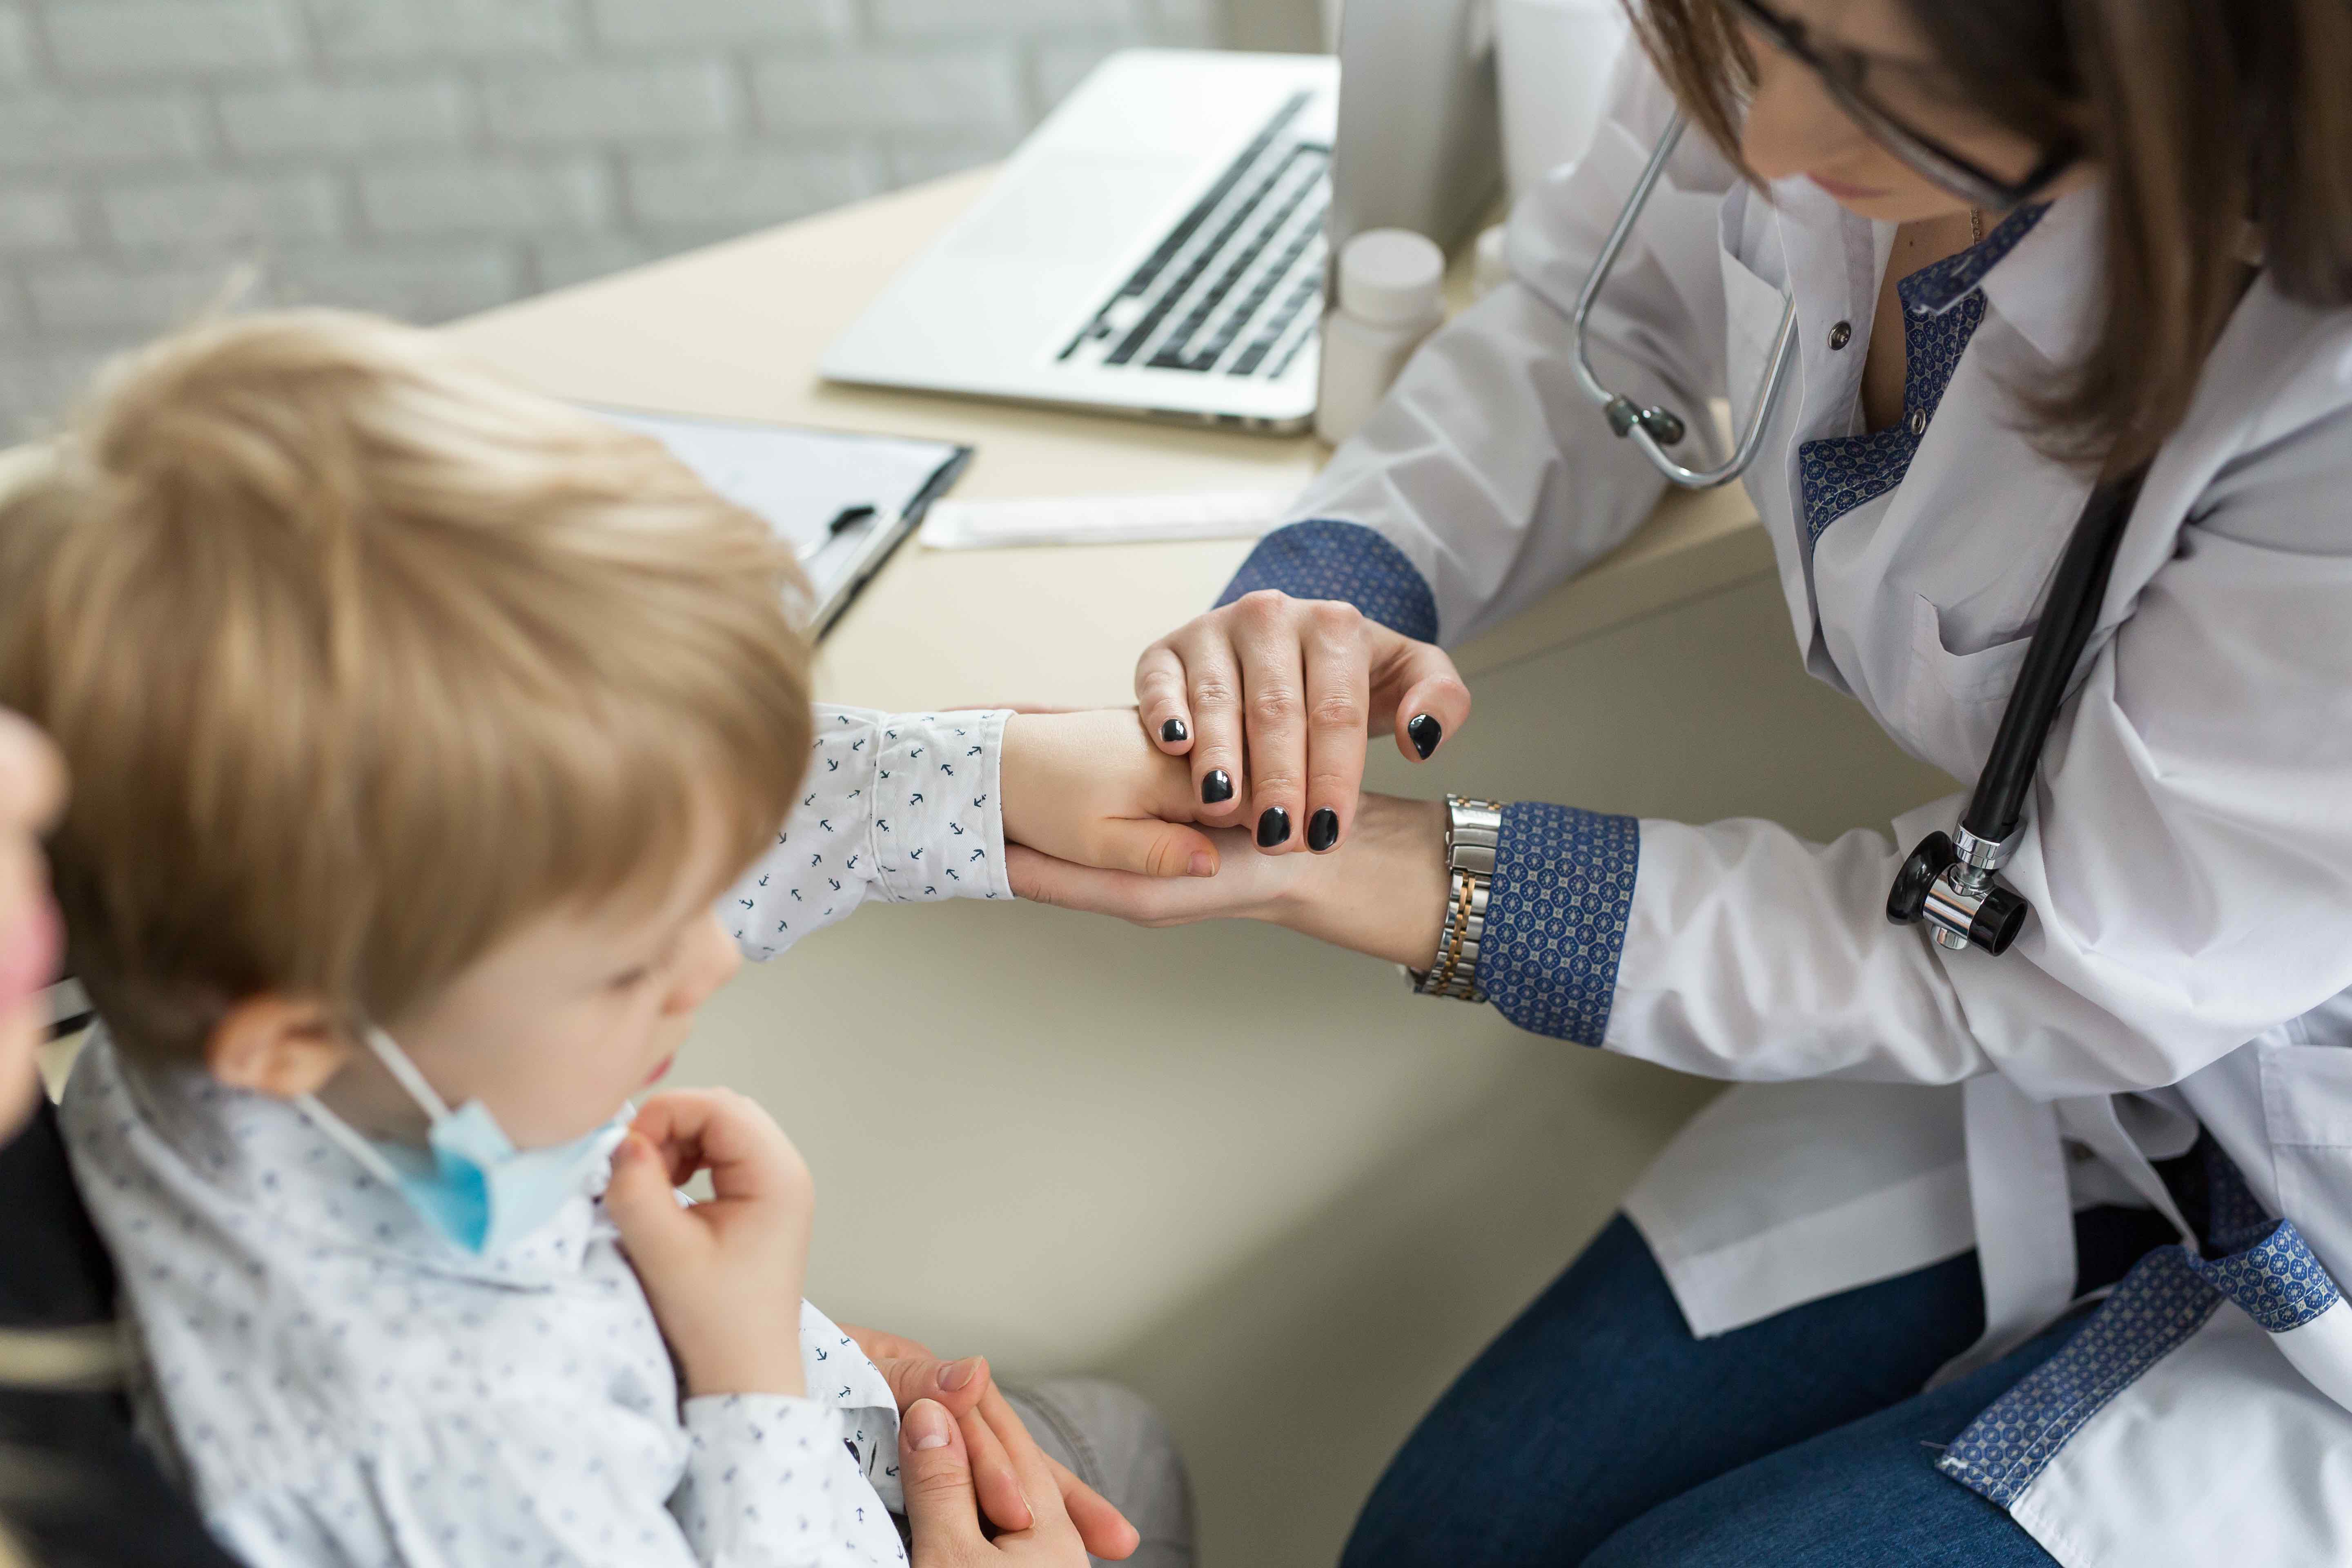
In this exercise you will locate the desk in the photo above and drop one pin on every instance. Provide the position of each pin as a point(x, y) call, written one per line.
point(1247, 1174)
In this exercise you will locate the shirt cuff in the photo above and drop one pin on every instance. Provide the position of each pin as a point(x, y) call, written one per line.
point(1323, 559)
point(1556, 919)
point(939, 818)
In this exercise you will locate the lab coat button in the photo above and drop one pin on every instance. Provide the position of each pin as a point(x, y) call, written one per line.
point(1918, 422)
point(1841, 335)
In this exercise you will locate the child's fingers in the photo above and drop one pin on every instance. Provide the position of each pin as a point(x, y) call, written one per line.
point(1001, 1496)
point(934, 1469)
point(642, 1204)
point(1150, 848)
point(718, 1130)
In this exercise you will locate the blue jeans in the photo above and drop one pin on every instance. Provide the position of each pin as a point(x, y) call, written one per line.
point(1597, 1430)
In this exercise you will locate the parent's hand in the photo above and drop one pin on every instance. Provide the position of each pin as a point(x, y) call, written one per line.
point(968, 1392)
point(1272, 698)
point(1385, 894)
point(934, 1469)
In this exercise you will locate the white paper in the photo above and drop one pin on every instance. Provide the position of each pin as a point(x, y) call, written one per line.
point(798, 480)
point(1102, 520)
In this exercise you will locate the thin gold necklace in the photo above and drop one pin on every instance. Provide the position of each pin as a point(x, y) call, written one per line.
point(1976, 225)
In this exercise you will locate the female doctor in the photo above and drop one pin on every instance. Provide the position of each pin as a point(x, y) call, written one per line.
point(1995, 1260)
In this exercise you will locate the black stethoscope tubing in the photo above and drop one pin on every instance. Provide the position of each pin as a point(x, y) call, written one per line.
point(1949, 882)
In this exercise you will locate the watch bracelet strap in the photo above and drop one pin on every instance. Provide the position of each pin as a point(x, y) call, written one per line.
point(1474, 828)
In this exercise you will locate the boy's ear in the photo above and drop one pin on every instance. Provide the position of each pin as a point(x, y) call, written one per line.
point(284, 1046)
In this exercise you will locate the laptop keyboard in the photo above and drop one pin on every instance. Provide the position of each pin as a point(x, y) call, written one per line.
point(1236, 288)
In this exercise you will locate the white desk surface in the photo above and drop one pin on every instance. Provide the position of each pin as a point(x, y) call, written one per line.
point(736, 329)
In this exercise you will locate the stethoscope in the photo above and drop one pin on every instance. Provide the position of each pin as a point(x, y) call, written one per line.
point(1952, 882)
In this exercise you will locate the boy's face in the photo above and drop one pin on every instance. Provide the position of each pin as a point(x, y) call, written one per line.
point(569, 1017)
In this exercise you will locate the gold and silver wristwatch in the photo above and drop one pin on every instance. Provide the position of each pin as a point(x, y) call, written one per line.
point(1472, 830)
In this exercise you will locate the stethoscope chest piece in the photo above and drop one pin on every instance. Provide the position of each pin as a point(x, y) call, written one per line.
point(1952, 888)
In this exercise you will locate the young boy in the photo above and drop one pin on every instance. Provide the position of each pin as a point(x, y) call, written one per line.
point(417, 727)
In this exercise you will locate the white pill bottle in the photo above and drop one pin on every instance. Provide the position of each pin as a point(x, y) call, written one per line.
point(1392, 297)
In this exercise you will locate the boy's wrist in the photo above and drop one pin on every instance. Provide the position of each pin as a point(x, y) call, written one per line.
point(762, 1370)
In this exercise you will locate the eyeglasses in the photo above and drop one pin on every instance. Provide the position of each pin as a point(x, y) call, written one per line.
point(1845, 74)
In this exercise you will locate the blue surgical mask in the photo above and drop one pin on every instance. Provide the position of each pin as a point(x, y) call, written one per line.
point(470, 1183)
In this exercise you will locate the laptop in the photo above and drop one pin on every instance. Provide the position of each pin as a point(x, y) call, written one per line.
point(1156, 248)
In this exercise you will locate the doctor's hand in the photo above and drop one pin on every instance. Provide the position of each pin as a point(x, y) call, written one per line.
point(1384, 893)
point(1272, 698)
point(967, 1392)
point(1090, 788)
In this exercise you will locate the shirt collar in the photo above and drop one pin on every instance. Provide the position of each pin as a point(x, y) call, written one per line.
point(260, 1160)
point(1941, 285)
point(2038, 269)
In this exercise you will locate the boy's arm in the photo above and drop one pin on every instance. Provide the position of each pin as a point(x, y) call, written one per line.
point(898, 807)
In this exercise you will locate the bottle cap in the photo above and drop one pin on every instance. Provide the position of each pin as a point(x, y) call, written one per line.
point(1391, 276)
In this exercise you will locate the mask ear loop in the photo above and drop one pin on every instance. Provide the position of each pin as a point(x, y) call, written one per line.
point(371, 1159)
point(404, 1071)
point(395, 1062)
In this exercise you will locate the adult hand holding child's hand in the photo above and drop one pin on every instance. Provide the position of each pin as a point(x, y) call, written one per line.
point(967, 1390)
point(935, 1468)
point(724, 1276)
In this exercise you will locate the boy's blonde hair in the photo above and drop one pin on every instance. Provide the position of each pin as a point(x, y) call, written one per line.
point(361, 657)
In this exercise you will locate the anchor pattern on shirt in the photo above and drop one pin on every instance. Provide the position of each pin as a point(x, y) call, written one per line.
point(1326, 558)
point(1942, 308)
point(1555, 918)
point(900, 807)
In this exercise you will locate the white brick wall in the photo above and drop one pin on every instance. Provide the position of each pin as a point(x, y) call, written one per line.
point(431, 157)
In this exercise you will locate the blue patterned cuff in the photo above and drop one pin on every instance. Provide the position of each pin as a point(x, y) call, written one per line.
point(1556, 919)
point(1327, 560)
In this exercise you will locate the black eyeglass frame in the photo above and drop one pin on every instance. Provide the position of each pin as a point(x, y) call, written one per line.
point(1925, 156)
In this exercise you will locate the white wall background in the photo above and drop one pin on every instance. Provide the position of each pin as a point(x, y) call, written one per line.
point(432, 157)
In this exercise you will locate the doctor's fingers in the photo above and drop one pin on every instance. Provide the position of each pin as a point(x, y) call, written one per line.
point(1211, 680)
point(1416, 687)
point(1338, 697)
point(1274, 715)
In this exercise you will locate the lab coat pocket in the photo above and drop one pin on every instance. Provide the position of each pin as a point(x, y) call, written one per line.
point(1953, 701)
point(1752, 310)
point(2307, 1113)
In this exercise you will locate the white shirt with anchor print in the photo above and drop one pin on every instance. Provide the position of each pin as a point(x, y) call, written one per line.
point(337, 1383)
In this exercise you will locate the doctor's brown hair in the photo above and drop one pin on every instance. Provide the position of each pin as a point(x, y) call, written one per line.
point(2208, 115)
point(361, 657)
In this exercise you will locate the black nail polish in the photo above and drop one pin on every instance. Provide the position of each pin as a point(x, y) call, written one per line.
point(1323, 830)
point(1173, 731)
point(1273, 827)
point(1425, 732)
point(1216, 786)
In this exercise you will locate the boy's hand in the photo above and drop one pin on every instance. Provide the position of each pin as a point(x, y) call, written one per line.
point(935, 1467)
point(1091, 789)
point(724, 1276)
point(968, 1392)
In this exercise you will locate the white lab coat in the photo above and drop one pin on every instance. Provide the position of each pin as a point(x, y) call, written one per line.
point(2189, 852)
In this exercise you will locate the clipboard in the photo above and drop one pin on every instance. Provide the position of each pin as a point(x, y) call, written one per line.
point(842, 500)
